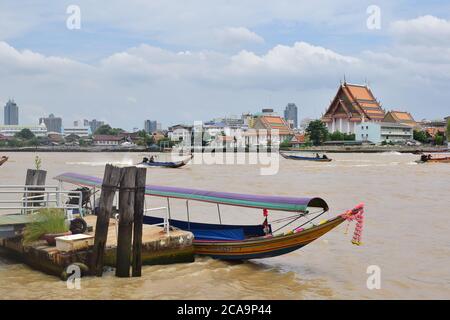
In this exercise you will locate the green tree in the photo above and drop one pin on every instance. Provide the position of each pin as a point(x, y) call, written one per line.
point(336, 136)
point(448, 130)
point(33, 142)
point(106, 129)
point(317, 132)
point(15, 143)
point(439, 140)
point(285, 144)
point(349, 137)
point(420, 136)
point(25, 134)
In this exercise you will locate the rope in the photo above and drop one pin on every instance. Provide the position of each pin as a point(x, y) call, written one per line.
point(356, 214)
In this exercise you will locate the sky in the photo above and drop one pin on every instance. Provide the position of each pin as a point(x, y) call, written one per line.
point(184, 61)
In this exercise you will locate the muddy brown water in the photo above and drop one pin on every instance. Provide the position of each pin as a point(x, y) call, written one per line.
point(406, 232)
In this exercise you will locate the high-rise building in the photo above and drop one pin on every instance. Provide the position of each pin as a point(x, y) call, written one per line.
point(291, 114)
point(53, 124)
point(11, 113)
point(95, 124)
point(150, 126)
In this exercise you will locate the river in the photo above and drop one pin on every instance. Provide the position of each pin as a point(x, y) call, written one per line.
point(406, 232)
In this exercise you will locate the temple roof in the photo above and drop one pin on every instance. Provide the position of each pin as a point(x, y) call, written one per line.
point(356, 102)
point(275, 122)
point(400, 117)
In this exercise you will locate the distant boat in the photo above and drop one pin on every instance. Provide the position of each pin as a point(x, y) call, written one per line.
point(176, 164)
point(3, 159)
point(305, 158)
point(426, 159)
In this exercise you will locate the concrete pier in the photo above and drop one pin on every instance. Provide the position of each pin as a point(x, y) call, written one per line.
point(157, 248)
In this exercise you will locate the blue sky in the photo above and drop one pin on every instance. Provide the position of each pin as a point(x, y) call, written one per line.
point(177, 62)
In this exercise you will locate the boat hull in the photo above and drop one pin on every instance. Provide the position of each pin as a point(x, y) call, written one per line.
point(178, 164)
point(262, 247)
point(305, 158)
point(3, 160)
point(436, 160)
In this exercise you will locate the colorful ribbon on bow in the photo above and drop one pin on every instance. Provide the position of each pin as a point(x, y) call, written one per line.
point(356, 214)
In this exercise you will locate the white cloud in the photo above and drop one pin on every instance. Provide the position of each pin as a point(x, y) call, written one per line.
point(182, 86)
point(425, 30)
point(236, 37)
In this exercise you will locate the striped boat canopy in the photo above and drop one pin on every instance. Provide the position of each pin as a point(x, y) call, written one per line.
point(233, 199)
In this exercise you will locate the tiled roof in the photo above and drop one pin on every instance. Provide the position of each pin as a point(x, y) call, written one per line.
point(356, 101)
point(276, 122)
point(400, 117)
point(104, 137)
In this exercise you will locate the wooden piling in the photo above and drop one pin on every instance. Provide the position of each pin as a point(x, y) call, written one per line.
point(111, 180)
point(126, 216)
point(139, 198)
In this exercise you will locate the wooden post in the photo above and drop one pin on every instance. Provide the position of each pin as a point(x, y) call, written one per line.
point(34, 178)
point(126, 215)
point(111, 180)
point(139, 198)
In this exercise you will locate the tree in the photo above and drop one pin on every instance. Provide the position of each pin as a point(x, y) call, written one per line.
point(420, 136)
point(25, 134)
point(317, 132)
point(336, 136)
point(448, 130)
point(107, 130)
point(439, 140)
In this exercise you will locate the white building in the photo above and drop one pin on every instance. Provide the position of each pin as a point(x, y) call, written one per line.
point(39, 130)
point(180, 133)
point(383, 131)
point(81, 131)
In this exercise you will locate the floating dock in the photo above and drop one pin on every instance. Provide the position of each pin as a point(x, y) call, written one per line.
point(158, 247)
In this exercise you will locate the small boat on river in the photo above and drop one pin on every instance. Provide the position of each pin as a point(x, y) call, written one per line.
point(3, 159)
point(430, 159)
point(324, 158)
point(151, 163)
point(283, 234)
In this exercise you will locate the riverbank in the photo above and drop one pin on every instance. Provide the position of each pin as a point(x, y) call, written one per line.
point(75, 149)
point(330, 149)
point(372, 149)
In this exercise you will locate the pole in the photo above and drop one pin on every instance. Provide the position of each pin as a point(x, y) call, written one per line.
point(111, 180)
point(139, 201)
point(126, 216)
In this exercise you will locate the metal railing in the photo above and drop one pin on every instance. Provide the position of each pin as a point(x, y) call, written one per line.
point(165, 224)
point(30, 198)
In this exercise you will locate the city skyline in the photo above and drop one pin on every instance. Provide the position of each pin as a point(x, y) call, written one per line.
point(138, 61)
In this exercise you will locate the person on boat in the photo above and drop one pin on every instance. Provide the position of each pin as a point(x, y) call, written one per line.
point(324, 156)
point(152, 159)
point(145, 160)
point(429, 156)
point(317, 155)
point(423, 158)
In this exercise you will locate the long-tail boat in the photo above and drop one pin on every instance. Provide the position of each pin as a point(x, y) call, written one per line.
point(176, 164)
point(241, 242)
point(3, 159)
point(292, 157)
point(429, 158)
